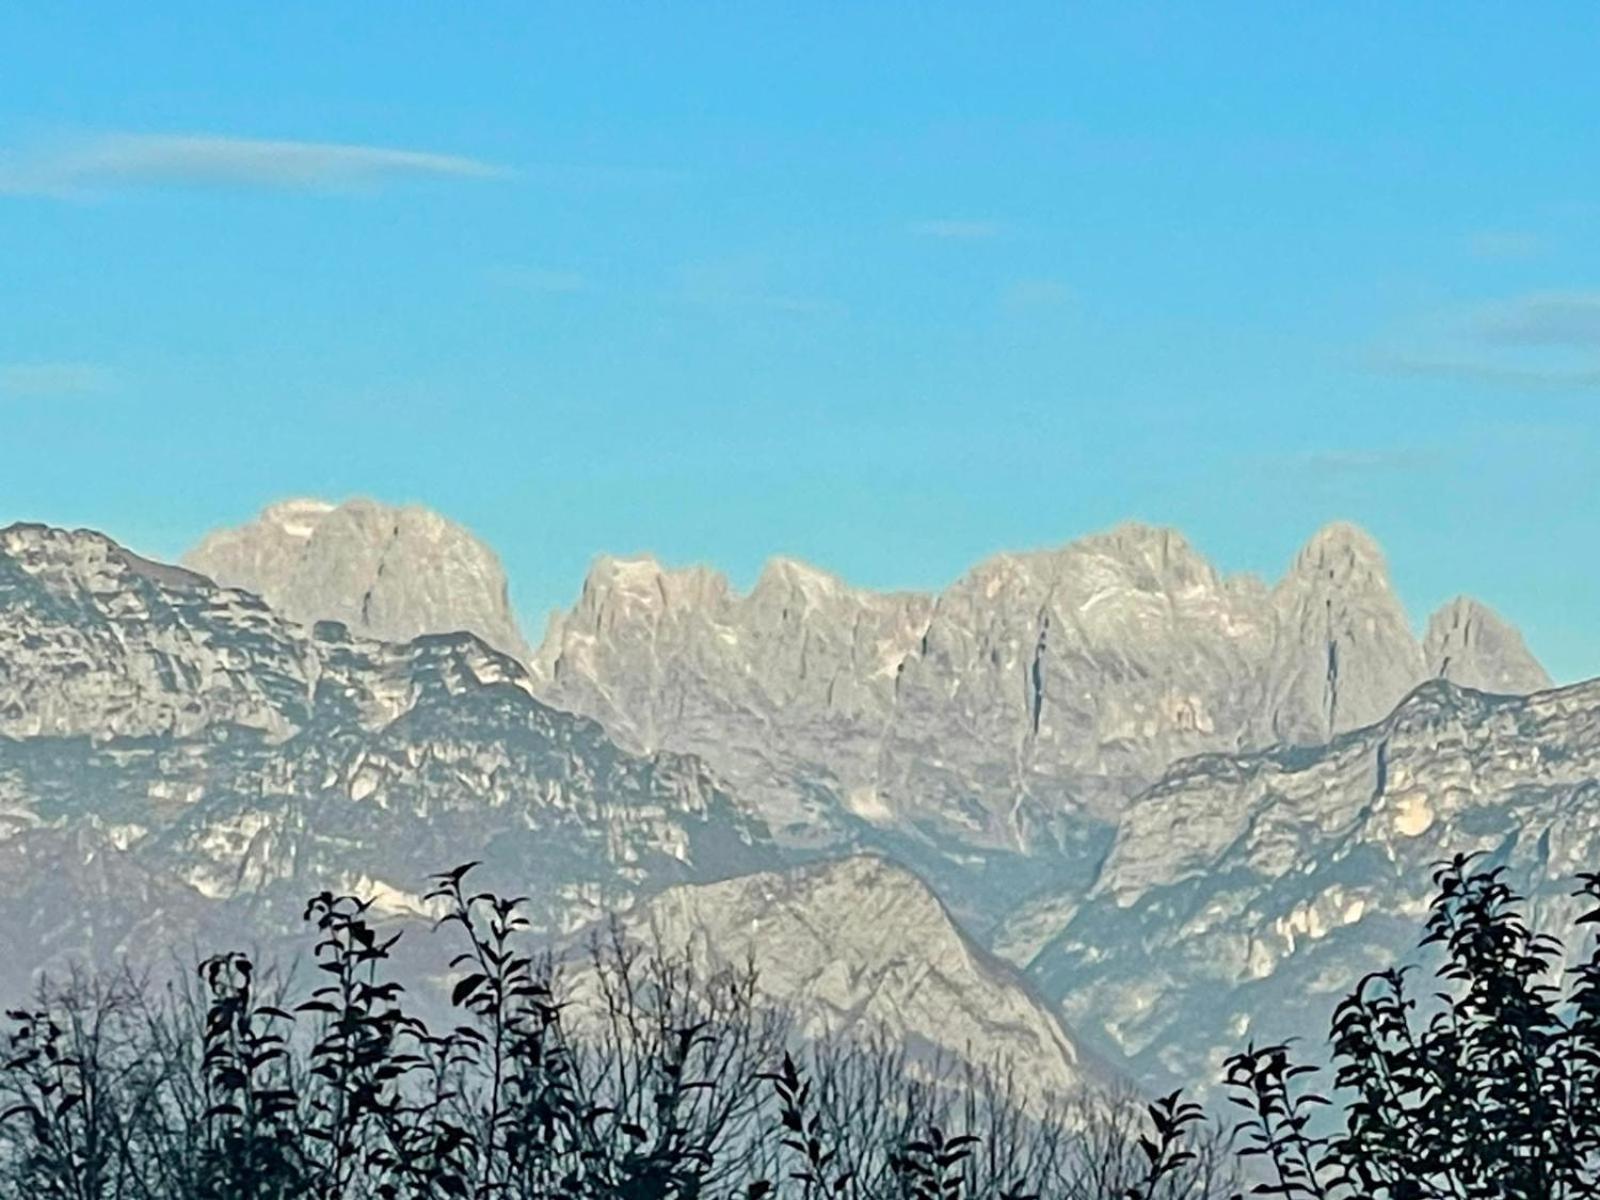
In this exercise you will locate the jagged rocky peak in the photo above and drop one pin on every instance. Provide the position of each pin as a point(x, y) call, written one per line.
point(1085, 666)
point(1151, 555)
point(642, 586)
point(1041, 682)
point(787, 684)
point(784, 575)
point(251, 758)
point(859, 947)
point(638, 623)
point(88, 558)
point(1469, 643)
point(1344, 654)
point(647, 588)
point(387, 572)
point(96, 640)
point(1342, 553)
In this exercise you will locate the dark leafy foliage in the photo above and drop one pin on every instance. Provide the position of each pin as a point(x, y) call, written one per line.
point(660, 1085)
point(1497, 1094)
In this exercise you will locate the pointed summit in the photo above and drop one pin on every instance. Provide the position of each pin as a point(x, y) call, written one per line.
point(1344, 654)
point(1470, 644)
point(786, 580)
point(1341, 552)
point(638, 575)
point(640, 584)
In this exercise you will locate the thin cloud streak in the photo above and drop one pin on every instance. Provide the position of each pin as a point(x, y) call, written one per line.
point(200, 159)
point(1569, 319)
point(1505, 245)
point(543, 279)
point(1480, 371)
point(1538, 340)
point(945, 227)
point(35, 380)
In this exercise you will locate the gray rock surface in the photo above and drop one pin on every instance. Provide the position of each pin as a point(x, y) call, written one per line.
point(1183, 797)
point(1343, 653)
point(860, 949)
point(180, 766)
point(1003, 722)
point(791, 683)
point(189, 742)
point(388, 573)
point(1244, 894)
point(1469, 643)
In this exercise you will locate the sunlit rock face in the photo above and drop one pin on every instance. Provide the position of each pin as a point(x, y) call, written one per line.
point(990, 734)
point(385, 572)
point(987, 734)
point(859, 949)
point(180, 766)
point(1186, 803)
point(184, 735)
point(1471, 644)
point(1244, 894)
point(1343, 653)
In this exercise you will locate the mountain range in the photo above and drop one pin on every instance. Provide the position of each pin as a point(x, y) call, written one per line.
point(181, 766)
point(1095, 801)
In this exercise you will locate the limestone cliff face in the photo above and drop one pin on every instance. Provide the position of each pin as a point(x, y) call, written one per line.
point(860, 949)
point(1004, 716)
point(387, 573)
point(159, 729)
point(1471, 644)
point(180, 766)
point(1035, 694)
point(1343, 654)
point(792, 683)
point(1243, 894)
point(1190, 805)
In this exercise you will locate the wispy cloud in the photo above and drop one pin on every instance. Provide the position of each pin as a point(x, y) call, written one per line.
point(32, 380)
point(744, 283)
point(203, 159)
point(544, 279)
point(1037, 293)
point(1505, 244)
point(1570, 319)
point(1545, 340)
point(1481, 370)
point(948, 227)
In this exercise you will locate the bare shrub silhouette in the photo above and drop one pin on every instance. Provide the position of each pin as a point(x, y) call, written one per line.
point(639, 1079)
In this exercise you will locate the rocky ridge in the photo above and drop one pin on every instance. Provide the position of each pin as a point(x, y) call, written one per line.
point(390, 573)
point(1005, 720)
point(997, 718)
point(166, 730)
point(1062, 742)
point(859, 949)
point(180, 766)
point(1244, 893)
point(1469, 643)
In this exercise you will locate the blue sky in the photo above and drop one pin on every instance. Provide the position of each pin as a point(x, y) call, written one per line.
point(887, 287)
